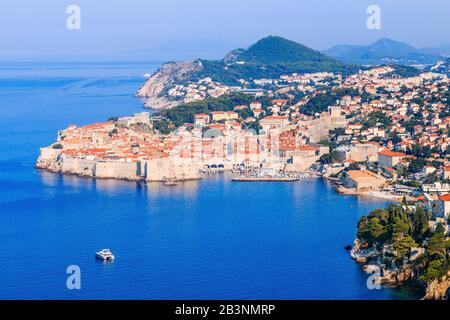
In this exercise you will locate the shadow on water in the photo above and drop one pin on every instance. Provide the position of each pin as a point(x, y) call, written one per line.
point(408, 291)
point(112, 186)
point(104, 262)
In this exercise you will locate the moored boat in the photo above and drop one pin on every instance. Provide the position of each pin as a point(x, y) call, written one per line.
point(169, 182)
point(104, 254)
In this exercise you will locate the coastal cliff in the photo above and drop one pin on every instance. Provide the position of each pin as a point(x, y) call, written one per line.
point(372, 259)
point(398, 244)
point(155, 89)
point(395, 277)
point(49, 163)
point(438, 288)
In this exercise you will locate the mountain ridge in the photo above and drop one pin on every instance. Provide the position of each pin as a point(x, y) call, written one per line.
point(384, 50)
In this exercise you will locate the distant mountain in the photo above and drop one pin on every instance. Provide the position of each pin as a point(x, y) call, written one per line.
point(382, 51)
point(443, 50)
point(277, 50)
point(270, 57)
point(392, 47)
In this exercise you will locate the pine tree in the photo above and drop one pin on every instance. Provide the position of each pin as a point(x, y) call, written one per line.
point(404, 245)
point(438, 245)
point(419, 222)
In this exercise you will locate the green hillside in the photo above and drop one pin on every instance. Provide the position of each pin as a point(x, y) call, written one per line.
point(381, 52)
point(270, 57)
point(277, 50)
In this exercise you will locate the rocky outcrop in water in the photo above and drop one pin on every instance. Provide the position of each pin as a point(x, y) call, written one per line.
point(154, 91)
point(372, 259)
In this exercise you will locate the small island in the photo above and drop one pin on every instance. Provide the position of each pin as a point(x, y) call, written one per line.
point(407, 244)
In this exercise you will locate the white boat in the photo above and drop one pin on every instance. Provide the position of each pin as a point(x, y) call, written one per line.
point(104, 254)
point(147, 75)
point(169, 182)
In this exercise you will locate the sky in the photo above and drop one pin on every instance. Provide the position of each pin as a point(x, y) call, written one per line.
point(35, 29)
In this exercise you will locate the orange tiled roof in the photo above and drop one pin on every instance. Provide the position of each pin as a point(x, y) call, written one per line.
point(389, 153)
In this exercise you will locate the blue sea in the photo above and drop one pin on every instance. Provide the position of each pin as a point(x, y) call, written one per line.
point(209, 239)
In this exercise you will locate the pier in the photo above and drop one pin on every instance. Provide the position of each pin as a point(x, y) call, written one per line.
point(268, 175)
point(275, 179)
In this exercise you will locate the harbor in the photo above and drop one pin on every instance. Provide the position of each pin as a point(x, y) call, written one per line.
point(269, 175)
point(273, 179)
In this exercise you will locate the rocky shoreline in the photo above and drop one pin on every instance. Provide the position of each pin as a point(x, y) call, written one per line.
point(55, 167)
point(105, 170)
point(372, 259)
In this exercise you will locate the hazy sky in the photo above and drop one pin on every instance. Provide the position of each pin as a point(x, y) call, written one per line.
point(30, 28)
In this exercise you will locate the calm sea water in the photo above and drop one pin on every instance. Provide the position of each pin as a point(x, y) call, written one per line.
point(211, 239)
